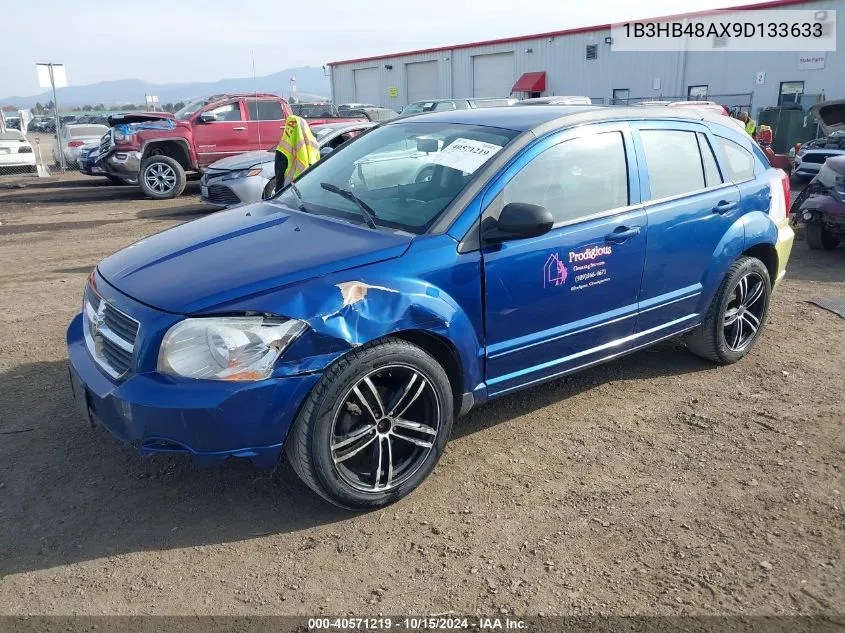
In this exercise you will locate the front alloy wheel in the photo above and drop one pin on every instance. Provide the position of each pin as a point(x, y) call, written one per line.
point(374, 426)
point(385, 428)
point(162, 177)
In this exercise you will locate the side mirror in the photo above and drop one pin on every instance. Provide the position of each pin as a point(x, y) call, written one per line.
point(518, 220)
point(427, 145)
point(207, 117)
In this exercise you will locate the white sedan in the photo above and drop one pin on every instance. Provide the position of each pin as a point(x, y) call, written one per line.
point(72, 137)
point(15, 152)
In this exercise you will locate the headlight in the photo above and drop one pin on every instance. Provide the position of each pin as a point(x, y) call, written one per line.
point(123, 139)
point(226, 348)
point(242, 173)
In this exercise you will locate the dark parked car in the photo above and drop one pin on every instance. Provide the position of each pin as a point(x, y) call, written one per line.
point(346, 322)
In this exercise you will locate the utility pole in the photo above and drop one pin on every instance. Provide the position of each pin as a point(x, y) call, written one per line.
point(49, 66)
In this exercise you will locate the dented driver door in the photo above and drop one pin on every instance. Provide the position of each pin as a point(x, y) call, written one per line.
point(568, 298)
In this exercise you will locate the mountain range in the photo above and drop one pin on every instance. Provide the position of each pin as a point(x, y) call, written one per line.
point(311, 84)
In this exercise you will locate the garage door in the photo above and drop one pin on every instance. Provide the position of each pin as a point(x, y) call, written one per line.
point(492, 75)
point(366, 85)
point(422, 80)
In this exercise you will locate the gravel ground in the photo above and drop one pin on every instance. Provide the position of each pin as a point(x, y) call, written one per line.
point(655, 484)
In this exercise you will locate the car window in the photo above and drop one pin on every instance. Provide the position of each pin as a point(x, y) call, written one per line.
point(673, 161)
point(228, 112)
point(740, 166)
point(265, 110)
point(408, 173)
point(93, 130)
point(575, 179)
point(444, 105)
point(712, 177)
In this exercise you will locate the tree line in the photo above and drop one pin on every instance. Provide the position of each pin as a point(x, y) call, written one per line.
point(41, 109)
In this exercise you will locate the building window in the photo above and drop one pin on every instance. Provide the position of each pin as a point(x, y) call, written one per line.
point(790, 92)
point(592, 51)
point(621, 96)
point(697, 93)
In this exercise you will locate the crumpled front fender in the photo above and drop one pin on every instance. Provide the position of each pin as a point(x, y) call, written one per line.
point(348, 309)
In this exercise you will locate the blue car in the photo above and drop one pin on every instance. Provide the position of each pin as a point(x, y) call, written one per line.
point(430, 265)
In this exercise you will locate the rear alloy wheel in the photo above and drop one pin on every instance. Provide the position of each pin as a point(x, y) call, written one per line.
point(735, 319)
point(374, 427)
point(161, 177)
point(819, 238)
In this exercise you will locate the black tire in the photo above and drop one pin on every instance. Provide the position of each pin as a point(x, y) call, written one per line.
point(819, 238)
point(161, 177)
point(269, 189)
point(710, 339)
point(309, 442)
point(425, 174)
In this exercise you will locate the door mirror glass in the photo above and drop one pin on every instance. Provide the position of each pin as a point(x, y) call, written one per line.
point(207, 117)
point(519, 220)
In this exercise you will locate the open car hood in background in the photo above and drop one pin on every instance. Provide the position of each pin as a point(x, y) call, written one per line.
point(138, 117)
point(830, 115)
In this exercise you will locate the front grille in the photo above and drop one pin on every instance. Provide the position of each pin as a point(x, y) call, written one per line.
point(106, 143)
point(817, 157)
point(109, 334)
point(220, 194)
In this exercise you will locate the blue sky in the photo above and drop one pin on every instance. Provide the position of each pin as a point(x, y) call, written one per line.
point(184, 40)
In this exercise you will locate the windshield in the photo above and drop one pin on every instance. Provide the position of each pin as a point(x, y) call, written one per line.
point(88, 130)
point(420, 106)
point(405, 173)
point(189, 110)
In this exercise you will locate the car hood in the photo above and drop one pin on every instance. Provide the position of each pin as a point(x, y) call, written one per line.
point(242, 161)
point(830, 115)
point(139, 117)
point(248, 250)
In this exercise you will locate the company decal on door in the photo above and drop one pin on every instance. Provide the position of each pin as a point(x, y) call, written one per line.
point(554, 272)
point(589, 266)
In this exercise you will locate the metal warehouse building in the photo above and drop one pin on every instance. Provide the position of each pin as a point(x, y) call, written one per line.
point(580, 62)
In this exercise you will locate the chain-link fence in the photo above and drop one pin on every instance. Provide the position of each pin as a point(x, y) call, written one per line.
point(42, 141)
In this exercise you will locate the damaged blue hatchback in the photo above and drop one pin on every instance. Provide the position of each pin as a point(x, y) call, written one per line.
point(431, 264)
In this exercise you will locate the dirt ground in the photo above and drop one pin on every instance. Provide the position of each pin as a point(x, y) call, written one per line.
point(656, 484)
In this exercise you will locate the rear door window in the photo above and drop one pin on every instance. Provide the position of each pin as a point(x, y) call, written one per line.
point(674, 162)
point(264, 110)
point(740, 162)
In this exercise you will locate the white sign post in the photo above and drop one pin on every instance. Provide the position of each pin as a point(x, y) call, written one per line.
point(53, 76)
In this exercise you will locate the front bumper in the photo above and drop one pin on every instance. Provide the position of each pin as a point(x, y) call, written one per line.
point(217, 191)
point(124, 165)
point(210, 419)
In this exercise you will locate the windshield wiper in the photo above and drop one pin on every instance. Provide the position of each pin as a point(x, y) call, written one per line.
point(298, 197)
point(366, 210)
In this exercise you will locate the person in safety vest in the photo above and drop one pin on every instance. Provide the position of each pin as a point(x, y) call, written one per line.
point(750, 124)
point(297, 151)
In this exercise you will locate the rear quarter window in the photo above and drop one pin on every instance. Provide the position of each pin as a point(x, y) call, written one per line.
point(739, 162)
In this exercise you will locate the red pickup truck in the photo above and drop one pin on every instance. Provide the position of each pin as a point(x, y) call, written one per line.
point(157, 150)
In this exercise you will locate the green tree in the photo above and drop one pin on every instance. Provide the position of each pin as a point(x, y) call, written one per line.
point(100, 107)
point(168, 107)
point(50, 105)
point(178, 106)
point(87, 108)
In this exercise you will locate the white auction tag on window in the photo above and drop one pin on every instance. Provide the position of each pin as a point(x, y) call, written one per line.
point(465, 154)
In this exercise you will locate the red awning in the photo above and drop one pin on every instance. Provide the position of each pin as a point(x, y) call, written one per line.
point(530, 82)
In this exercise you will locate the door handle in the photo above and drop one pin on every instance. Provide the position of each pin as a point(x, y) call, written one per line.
point(724, 206)
point(622, 234)
point(239, 129)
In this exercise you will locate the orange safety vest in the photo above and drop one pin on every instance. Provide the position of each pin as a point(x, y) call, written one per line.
point(299, 147)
